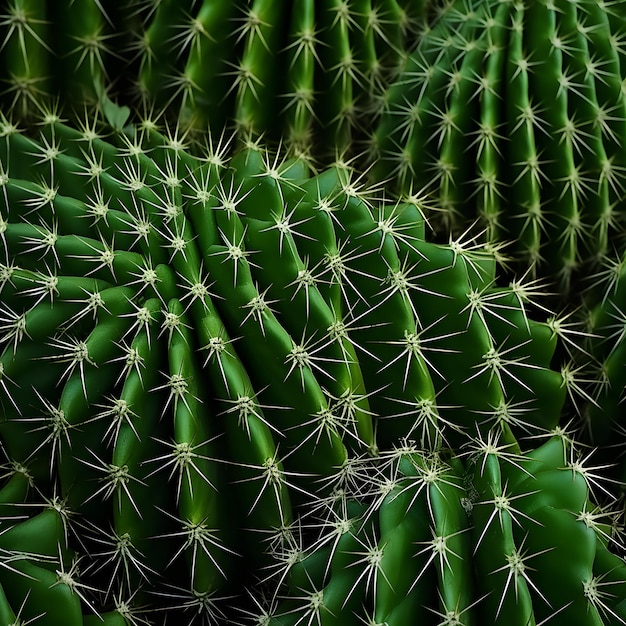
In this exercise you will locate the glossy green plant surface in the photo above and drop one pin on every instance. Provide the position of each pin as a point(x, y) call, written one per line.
point(307, 74)
point(512, 114)
point(203, 357)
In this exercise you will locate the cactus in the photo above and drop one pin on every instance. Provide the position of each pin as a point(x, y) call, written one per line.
point(178, 328)
point(598, 362)
point(487, 537)
point(46, 50)
point(512, 114)
point(238, 390)
point(303, 73)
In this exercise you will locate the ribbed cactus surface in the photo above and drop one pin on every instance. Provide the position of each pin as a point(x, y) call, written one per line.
point(596, 358)
point(302, 72)
point(493, 537)
point(512, 113)
point(205, 360)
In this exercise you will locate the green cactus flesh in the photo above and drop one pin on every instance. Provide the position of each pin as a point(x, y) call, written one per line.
point(235, 391)
point(305, 73)
point(597, 360)
point(512, 114)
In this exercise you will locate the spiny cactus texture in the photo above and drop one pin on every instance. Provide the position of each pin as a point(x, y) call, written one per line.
point(302, 72)
point(492, 538)
point(513, 113)
point(236, 392)
point(597, 359)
